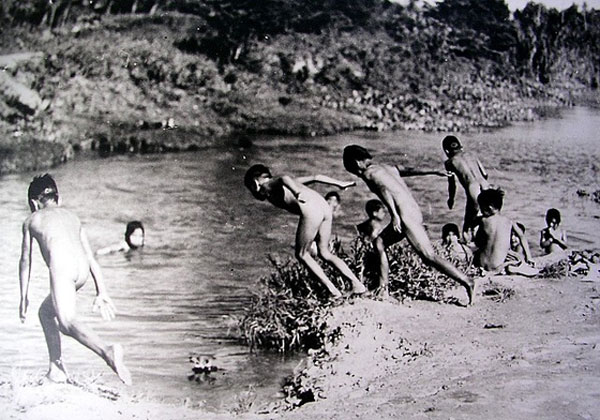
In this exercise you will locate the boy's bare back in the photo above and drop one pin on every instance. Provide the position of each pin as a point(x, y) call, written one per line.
point(58, 233)
point(493, 241)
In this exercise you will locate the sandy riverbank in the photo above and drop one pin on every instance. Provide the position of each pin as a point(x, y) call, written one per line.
point(530, 351)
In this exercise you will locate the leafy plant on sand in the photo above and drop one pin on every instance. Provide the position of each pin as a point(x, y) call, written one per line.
point(288, 311)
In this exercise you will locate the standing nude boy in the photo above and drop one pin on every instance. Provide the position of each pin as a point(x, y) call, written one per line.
point(407, 220)
point(293, 195)
point(66, 251)
point(472, 176)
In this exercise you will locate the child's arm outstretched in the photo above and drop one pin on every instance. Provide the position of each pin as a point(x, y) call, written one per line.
point(112, 248)
point(102, 300)
point(414, 172)
point(25, 271)
point(324, 179)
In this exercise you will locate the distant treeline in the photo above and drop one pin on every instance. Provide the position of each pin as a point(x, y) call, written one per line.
point(537, 42)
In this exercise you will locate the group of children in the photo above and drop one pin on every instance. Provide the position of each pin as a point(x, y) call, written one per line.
point(497, 242)
point(489, 239)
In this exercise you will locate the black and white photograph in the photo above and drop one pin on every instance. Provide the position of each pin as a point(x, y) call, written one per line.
point(299, 209)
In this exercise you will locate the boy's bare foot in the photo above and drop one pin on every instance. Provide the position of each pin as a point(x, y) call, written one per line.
point(57, 373)
point(116, 363)
point(359, 290)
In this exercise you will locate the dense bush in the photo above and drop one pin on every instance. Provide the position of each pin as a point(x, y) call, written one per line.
point(289, 309)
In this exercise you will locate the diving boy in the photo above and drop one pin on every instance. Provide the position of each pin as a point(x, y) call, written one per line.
point(493, 238)
point(472, 176)
point(293, 195)
point(67, 253)
point(407, 220)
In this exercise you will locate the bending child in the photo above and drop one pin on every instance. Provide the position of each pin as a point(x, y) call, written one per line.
point(293, 195)
point(493, 238)
point(407, 220)
point(67, 253)
point(472, 176)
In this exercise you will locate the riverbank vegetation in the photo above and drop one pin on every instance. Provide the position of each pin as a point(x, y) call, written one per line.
point(79, 71)
point(289, 310)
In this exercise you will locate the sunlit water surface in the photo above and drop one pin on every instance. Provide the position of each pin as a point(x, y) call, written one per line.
point(208, 241)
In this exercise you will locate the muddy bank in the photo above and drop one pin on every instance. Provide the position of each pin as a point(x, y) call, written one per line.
point(528, 348)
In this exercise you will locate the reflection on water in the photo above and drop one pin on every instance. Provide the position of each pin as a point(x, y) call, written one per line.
point(207, 239)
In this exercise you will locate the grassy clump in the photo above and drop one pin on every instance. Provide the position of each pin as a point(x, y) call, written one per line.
point(289, 308)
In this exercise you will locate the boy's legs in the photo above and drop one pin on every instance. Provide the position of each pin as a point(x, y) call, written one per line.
point(323, 236)
point(64, 299)
point(305, 235)
point(470, 221)
point(417, 236)
point(386, 238)
point(47, 315)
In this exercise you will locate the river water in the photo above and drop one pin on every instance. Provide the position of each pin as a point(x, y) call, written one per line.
point(207, 241)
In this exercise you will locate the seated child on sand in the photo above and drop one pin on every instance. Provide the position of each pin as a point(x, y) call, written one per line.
point(134, 239)
point(67, 253)
point(452, 243)
point(493, 238)
point(553, 238)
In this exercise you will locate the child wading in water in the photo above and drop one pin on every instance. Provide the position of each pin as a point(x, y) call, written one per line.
point(67, 253)
point(407, 220)
point(134, 239)
point(293, 195)
point(472, 176)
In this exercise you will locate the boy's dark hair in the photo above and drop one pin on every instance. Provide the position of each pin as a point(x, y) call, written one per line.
point(352, 154)
point(251, 174)
point(332, 194)
point(131, 227)
point(451, 143)
point(43, 188)
point(372, 206)
point(450, 228)
point(553, 214)
point(493, 197)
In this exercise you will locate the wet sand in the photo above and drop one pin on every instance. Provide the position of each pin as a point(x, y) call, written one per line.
point(533, 354)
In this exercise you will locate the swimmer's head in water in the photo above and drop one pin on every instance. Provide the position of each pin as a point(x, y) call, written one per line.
point(451, 145)
point(135, 234)
point(43, 188)
point(354, 154)
point(253, 174)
